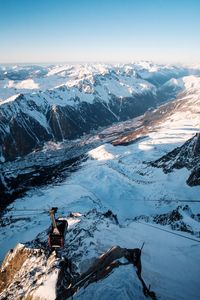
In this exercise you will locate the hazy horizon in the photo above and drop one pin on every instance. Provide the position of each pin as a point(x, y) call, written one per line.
point(62, 31)
point(47, 63)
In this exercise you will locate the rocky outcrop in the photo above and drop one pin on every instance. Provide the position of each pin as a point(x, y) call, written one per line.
point(33, 271)
point(102, 268)
point(181, 219)
point(24, 270)
point(30, 274)
point(188, 156)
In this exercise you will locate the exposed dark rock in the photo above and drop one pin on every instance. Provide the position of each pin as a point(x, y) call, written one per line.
point(100, 269)
point(23, 269)
point(39, 172)
point(194, 178)
point(188, 156)
point(175, 219)
point(109, 214)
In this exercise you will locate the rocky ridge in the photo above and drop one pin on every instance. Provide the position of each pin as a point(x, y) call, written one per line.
point(186, 156)
point(33, 272)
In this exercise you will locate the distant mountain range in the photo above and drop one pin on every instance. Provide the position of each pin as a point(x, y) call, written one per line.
point(64, 102)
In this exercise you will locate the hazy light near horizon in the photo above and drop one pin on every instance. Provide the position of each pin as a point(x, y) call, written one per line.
point(108, 30)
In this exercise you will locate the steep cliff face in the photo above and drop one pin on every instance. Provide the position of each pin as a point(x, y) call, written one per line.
point(33, 271)
point(188, 156)
point(24, 270)
point(31, 274)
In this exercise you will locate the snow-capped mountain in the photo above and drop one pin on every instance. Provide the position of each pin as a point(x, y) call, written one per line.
point(65, 102)
point(25, 79)
point(91, 99)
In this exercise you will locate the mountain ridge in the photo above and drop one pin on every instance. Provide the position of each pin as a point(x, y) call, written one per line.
point(92, 97)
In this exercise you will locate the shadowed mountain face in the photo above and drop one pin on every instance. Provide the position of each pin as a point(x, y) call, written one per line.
point(25, 125)
point(188, 156)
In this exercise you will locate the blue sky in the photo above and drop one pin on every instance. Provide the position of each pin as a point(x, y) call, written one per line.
point(104, 30)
